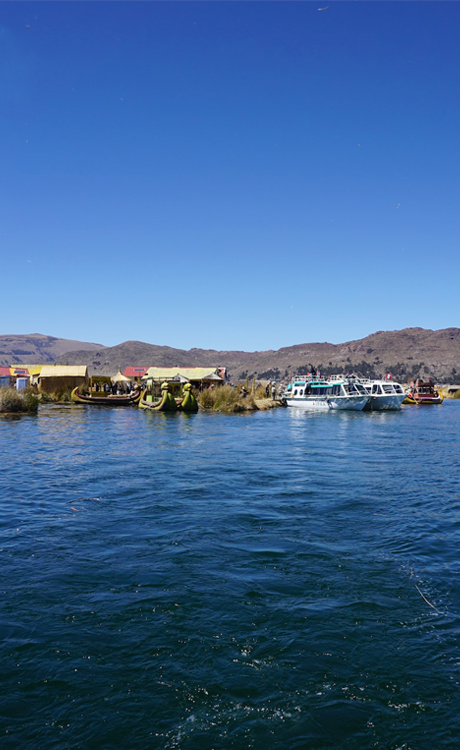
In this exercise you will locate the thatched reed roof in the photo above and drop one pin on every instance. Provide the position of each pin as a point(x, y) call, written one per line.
point(64, 371)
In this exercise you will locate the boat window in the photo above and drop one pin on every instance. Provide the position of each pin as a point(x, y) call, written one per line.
point(398, 388)
point(354, 388)
point(295, 392)
point(376, 388)
point(388, 388)
point(301, 392)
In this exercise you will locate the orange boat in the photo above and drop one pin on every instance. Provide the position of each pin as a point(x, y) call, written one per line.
point(423, 392)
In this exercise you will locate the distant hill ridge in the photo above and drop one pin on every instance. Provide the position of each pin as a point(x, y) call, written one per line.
point(407, 354)
point(35, 348)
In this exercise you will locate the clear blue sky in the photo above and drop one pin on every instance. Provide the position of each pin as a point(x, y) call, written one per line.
point(229, 175)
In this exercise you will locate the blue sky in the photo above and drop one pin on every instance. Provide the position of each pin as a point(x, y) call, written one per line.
point(229, 175)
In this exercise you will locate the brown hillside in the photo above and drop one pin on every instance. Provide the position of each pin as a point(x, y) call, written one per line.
point(34, 348)
point(407, 354)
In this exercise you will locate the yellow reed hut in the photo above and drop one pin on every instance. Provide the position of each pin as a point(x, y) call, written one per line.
point(54, 378)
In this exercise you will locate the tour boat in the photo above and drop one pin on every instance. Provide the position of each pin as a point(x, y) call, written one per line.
point(125, 399)
point(322, 395)
point(384, 394)
point(423, 392)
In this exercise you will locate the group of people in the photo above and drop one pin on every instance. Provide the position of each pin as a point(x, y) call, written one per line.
point(116, 389)
point(270, 388)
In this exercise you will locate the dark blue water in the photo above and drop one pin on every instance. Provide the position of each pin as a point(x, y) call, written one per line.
point(273, 580)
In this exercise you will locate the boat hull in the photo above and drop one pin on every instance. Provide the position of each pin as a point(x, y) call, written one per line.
point(386, 402)
point(421, 400)
point(348, 403)
point(129, 400)
point(165, 403)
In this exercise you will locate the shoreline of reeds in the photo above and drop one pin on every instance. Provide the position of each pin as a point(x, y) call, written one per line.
point(226, 398)
point(16, 402)
point(235, 399)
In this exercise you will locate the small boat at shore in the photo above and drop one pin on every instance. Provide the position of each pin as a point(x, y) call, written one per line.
point(124, 399)
point(423, 392)
point(322, 395)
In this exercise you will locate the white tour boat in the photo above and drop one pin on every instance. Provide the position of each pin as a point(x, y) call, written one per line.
point(384, 394)
point(320, 394)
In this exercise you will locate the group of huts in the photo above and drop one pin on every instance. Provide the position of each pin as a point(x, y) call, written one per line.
point(57, 378)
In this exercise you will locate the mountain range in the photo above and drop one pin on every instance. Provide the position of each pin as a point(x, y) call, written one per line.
point(407, 354)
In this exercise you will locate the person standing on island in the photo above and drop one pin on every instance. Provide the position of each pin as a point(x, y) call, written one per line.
point(273, 391)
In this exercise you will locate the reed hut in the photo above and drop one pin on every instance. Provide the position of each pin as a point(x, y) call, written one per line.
point(199, 377)
point(58, 377)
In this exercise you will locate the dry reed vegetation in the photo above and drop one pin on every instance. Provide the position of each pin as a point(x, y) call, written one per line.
point(13, 402)
point(226, 398)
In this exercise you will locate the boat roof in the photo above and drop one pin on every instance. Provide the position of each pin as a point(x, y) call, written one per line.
point(190, 373)
point(317, 381)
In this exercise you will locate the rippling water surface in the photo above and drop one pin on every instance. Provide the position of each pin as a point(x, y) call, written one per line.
point(273, 580)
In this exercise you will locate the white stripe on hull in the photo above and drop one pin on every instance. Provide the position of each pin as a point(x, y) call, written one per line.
point(309, 403)
point(354, 403)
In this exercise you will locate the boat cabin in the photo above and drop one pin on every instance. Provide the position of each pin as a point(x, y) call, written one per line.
point(378, 389)
point(321, 388)
point(424, 388)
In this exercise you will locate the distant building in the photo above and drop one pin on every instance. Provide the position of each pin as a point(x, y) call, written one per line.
point(55, 377)
point(26, 371)
point(5, 377)
point(135, 373)
point(197, 376)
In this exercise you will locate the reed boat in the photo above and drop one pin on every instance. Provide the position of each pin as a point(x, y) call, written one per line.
point(167, 402)
point(423, 392)
point(127, 399)
point(188, 402)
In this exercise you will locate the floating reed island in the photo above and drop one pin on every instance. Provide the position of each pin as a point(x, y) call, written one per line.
point(235, 399)
point(172, 396)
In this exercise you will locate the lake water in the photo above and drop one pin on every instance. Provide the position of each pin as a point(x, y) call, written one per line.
point(273, 580)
